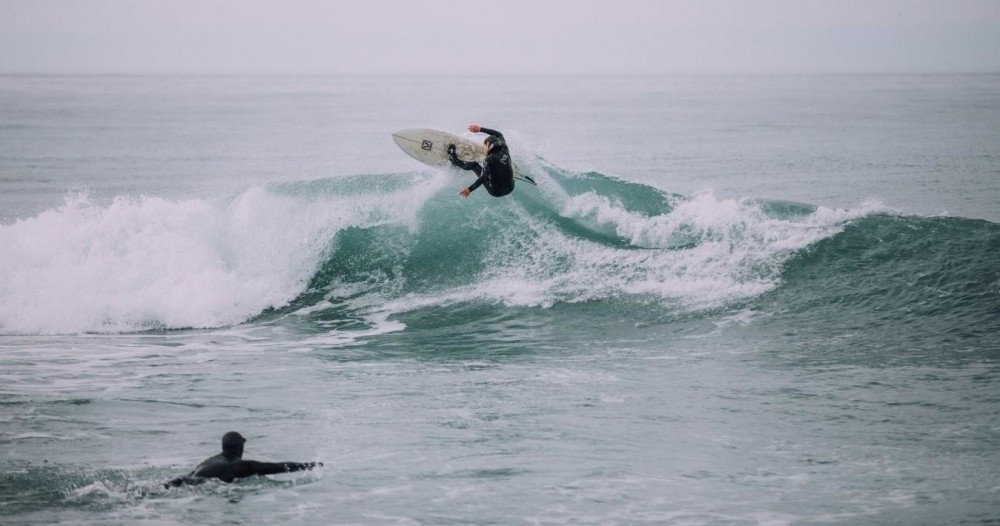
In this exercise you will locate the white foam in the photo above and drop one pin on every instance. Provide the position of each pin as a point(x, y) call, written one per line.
point(735, 250)
point(705, 253)
point(147, 262)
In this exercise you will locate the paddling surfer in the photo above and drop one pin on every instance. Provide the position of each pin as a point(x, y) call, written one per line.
point(229, 465)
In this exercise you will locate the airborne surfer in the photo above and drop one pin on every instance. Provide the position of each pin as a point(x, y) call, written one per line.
point(496, 172)
point(229, 465)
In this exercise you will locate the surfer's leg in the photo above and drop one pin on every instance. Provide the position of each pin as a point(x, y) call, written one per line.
point(465, 165)
point(185, 480)
point(468, 165)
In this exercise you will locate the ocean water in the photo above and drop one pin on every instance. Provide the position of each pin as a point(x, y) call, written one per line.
point(729, 300)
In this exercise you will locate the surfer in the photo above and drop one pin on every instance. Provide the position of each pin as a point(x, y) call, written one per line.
point(496, 172)
point(229, 465)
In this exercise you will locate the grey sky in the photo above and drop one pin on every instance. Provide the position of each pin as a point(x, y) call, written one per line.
point(502, 36)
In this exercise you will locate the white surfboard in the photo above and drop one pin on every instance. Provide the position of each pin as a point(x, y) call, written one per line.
point(431, 148)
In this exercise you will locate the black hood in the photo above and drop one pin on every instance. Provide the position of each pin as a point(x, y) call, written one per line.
point(232, 444)
point(494, 143)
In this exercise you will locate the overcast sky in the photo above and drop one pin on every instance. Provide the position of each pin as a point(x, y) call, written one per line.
point(499, 36)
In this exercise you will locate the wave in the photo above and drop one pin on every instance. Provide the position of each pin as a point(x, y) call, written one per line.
point(926, 284)
point(339, 251)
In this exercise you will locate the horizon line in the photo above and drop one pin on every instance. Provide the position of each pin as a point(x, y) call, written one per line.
point(858, 73)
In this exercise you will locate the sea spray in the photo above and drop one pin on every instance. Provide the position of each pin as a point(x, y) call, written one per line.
point(144, 263)
point(613, 240)
point(373, 245)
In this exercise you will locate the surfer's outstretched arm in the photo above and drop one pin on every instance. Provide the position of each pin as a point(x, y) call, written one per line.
point(475, 128)
point(240, 469)
point(247, 468)
point(494, 133)
point(479, 181)
point(468, 190)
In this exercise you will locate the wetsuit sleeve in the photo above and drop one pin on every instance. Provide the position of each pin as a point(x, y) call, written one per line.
point(483, 173)
point(247, 468)
point(494, 133)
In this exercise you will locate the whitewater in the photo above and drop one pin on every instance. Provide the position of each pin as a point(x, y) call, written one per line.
point(729, 300)
point(150, 263)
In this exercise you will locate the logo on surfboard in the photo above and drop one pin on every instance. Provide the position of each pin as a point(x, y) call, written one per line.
point(426, 145)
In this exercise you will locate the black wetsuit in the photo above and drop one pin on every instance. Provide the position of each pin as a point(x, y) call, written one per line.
point(497, 170)
point(229, 465)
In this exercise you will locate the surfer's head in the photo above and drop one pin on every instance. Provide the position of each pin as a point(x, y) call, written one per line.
point(491, 142)
point(232, 444)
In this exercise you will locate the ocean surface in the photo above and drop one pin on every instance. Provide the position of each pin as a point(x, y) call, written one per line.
point(729, 300)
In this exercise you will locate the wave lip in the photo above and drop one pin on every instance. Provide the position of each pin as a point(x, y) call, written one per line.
point(590, 237)
point(702, 253)
point(134, 265)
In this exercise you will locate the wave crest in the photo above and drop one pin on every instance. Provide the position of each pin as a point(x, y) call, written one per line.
point(399, 241)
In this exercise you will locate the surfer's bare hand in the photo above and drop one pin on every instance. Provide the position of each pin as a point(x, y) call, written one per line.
point(474, 128)
point(465, 193)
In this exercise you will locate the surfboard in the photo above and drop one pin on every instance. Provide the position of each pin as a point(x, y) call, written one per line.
point(431, 148)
